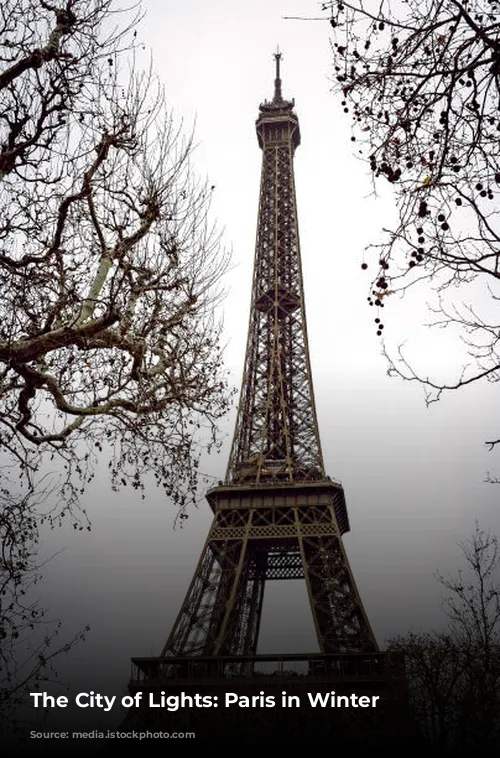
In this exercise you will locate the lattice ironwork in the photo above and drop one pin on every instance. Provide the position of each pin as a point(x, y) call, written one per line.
point(245, 548)
point(277, 515)
point(276, 435)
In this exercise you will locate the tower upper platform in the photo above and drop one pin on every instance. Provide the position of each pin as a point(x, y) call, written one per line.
point(277, 120)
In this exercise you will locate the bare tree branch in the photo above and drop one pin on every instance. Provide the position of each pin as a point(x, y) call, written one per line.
point(420, 81)
point(454, 676)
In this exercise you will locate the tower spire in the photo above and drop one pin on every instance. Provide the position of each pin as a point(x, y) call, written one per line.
point(277, 104)
point(277, 82)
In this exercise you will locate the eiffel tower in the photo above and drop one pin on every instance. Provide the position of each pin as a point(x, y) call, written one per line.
point(277, 515)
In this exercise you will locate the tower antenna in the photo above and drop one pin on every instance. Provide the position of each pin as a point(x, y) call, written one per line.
point(277, 82)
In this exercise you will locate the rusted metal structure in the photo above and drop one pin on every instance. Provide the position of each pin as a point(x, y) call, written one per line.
point(277, 515)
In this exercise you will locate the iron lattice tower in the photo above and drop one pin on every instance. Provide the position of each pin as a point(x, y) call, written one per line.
point(276, 515)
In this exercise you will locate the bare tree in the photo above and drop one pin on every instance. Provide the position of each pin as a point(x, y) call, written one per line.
point(110, 271)
point(454, 676)
point(420, 80)
point(433, 669)
point(473, 608)
point(108, 263)
point(29, 638)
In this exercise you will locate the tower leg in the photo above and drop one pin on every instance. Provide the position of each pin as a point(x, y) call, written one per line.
point(339, 617)
point(201, 623)
point(244, 630)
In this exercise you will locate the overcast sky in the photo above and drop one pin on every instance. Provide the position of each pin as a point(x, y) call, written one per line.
point(413, 476)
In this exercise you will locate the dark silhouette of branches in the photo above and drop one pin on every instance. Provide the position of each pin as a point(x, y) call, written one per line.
point(109, 265)
point(454, 676)
point(29, 639)
point(420, 81)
